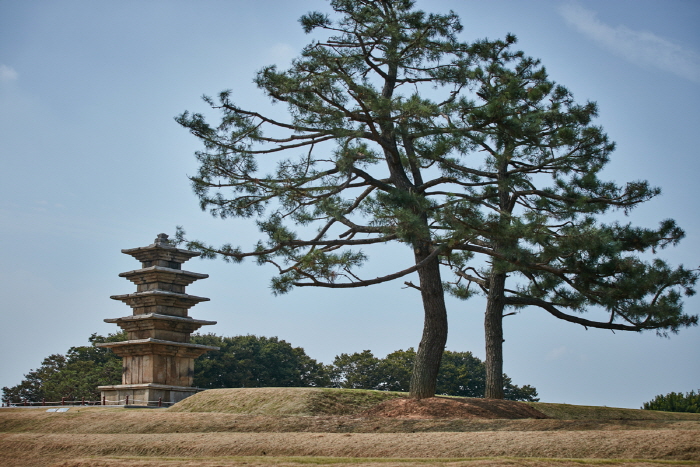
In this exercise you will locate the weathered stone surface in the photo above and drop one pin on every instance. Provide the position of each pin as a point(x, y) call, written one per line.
point(158, 358)
point(139, 394)
point(160, 302)
point(157, 326)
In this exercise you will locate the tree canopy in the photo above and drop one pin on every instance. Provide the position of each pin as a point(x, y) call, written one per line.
point(252, 361)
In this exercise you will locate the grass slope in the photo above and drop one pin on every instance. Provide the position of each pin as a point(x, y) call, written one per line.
point(322, 401)
point(583, 412)
point(284, 401)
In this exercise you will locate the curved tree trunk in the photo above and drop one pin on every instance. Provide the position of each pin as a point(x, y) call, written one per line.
point(432, 344)
point(493, 326)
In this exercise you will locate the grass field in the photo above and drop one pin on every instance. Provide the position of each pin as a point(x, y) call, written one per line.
point(302, 426)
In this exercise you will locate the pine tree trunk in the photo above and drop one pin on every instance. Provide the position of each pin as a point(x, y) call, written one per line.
point(493, 325)
point(432, 345)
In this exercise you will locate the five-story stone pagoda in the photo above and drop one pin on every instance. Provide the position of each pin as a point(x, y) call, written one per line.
point(158, 358)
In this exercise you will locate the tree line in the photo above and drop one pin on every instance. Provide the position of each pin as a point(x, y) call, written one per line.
point(675, 402)
point(252, 361)
point(468, 154)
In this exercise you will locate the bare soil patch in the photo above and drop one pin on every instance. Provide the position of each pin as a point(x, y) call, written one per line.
point(448, 407)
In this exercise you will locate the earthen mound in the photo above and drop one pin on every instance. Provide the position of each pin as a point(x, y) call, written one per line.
point(447, 407)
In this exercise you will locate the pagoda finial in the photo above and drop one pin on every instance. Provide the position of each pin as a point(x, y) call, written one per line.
point(162, 241)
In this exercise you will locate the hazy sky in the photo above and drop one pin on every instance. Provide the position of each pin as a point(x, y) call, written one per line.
point(93, 162)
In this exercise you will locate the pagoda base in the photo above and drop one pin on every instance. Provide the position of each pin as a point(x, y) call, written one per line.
point(148, 394)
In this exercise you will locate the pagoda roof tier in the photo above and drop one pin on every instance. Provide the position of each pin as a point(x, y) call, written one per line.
point(159, 326)
point(156, 316)
point(160, 250)
point(152, 346)
point(159, 297)
point(162, 274)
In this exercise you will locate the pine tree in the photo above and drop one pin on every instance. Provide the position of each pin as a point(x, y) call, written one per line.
point(365, 141)
point(533, 208)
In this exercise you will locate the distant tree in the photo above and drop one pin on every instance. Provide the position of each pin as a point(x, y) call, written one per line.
point(396, 369)
point(241, 361)
point(73, 376)
point(461, 374)
point(530, 213)
point(356, 371)
point(675, 402)
point(252, 361)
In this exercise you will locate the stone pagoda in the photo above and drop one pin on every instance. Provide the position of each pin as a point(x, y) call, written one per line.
point(158, 357)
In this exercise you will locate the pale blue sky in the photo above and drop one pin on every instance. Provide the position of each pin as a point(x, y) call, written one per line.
point(92, 162)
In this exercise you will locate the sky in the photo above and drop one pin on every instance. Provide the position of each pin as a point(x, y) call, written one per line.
point(92, 162)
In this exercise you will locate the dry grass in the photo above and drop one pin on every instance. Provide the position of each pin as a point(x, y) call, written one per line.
point(318, 401)
point(356, 462)
point(34, 449)
point(294, 427)
point(284, 401)
point(582, 412)
point(107, 421)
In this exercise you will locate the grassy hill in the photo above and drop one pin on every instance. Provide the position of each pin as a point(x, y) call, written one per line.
point(321, 401)
point(284, 401)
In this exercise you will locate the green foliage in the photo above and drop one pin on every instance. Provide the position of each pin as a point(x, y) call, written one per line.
point(531, 211)
point(461, 374)
point(252, 362)
point(73, 376)
point(675, 402)
point(356, 371)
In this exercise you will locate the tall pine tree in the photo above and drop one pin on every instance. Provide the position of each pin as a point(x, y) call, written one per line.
point(361, 139)
point(532, 213)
